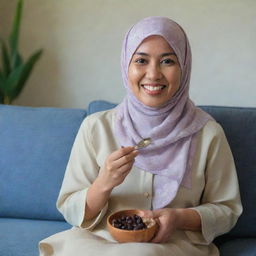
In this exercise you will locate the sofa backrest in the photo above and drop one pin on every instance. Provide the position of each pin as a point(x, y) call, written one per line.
point(239, 125)
point(35, 147)
point(36, 143)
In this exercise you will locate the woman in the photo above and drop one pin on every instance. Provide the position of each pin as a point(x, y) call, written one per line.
point(185, 179)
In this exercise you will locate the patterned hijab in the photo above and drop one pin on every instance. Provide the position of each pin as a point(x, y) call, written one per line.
point(171, 127)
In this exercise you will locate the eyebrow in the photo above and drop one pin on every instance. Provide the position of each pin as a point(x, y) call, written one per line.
point(162, 55)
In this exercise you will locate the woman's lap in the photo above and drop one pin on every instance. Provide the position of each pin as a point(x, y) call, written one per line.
point(81, 242)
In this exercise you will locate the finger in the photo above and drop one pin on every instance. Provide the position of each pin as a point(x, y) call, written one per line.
point(121, 166)
point(121, 152)
point(147, 214)
point(126, 167)
point(123, 172)
point(152, 214)
point(160, 236)
point(126, 159)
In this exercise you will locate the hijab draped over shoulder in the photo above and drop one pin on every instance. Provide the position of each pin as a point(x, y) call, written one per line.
point(172, 127)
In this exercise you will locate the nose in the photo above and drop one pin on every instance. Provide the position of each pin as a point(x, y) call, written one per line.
point(154, 72)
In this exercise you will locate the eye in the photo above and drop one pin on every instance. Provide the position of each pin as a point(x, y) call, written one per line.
point(168, 61)
point(140, 61)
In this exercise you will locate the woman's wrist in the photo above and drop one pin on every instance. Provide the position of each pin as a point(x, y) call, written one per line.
point(187, 219)
point(97, 197)
point(102, 186)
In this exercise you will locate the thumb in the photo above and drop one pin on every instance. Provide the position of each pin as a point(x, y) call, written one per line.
point(152, 214)
point(156, 213)
point(146, 213)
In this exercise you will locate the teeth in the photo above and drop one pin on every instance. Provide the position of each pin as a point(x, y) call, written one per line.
point(154, 88)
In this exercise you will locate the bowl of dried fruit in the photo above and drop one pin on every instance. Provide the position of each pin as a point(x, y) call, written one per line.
point(129, 226)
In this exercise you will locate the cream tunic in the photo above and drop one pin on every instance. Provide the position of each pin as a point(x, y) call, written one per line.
point(214, 195)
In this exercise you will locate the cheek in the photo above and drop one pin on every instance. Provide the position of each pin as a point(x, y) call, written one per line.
point(174, 77)
point(178, 80)
point(134, 77)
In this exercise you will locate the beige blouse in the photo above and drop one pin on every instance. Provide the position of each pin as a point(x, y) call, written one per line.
point(214, 195)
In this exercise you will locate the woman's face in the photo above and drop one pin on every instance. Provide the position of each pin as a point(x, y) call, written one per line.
point(154, 72)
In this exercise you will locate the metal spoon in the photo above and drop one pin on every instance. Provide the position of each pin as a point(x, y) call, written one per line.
point(143, 143)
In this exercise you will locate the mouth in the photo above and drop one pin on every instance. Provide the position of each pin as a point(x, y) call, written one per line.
point(153, 89)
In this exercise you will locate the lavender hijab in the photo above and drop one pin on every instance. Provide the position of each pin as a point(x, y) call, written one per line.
point(171, 127)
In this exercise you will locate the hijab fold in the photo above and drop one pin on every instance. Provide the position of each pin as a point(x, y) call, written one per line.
point(172, 127)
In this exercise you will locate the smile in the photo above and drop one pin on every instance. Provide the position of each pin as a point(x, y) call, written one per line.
point(153, 89)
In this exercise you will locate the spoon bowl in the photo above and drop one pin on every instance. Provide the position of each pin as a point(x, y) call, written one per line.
point(143, 143)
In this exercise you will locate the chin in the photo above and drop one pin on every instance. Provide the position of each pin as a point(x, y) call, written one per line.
point(152, 104)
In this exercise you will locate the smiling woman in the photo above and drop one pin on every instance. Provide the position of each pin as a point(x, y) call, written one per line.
point(154, 72)
point(185, 178)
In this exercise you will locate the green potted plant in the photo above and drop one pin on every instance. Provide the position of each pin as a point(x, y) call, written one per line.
point(14, 71)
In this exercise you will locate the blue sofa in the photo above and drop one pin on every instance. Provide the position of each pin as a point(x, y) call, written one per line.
point(35, 147)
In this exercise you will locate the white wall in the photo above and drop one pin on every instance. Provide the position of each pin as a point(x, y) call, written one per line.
point(82, 43)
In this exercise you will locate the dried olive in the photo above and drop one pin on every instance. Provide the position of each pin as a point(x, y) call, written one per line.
point(134, 222)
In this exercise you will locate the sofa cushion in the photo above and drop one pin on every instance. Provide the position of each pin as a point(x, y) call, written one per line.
point(20, 237)
point(35, 147)
point(239, 125)
point(239, 247)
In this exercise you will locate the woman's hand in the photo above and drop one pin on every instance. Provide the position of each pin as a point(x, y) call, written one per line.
point(169, 220)
point(116, 167)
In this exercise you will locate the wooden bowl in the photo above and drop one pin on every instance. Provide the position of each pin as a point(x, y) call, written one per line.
point(125, 236)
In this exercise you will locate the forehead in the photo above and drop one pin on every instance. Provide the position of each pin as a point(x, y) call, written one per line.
point(154, 44)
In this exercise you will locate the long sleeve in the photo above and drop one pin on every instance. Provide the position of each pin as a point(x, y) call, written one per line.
point(220, 204)
point(81, 171)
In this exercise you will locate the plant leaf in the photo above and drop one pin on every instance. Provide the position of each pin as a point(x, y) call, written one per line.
point(16, 60)
point(2, 83)
point(14, 36)
point(1, 86)
point(12, 80)
point(5, 59)
point(19, 76)
point(19, 59)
